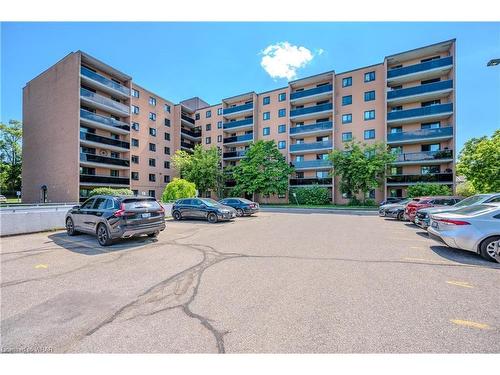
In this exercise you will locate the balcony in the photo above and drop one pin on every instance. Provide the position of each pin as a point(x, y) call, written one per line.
point(239, 139)
point(103, 161)
point(316, 93)
point(315, 111)
point(186, 120)
point(417, 136)
point(246, 123)
point(312, 164)
point(318, 129)
point(310, 181)
point(239, 110)
point(310, 147)
point(90, 179)
point(432, 112)
point(106, 104)
point(425, 92)
point(189, 134)
point(187, 146)
point(234, 154)
point(93, 140)
point(103, 122)
point(425, 157)
point(425, 70)
point(412, 179)
point(98, 81)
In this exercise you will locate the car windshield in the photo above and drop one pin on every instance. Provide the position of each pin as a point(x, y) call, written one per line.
point(404, 201)
point(469, 201)
point(210, 202)
point(244, 200)
point(474, 210)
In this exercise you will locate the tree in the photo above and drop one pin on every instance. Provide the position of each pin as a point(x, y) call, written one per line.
point(465, 189)
point(10, 155)
point(202, 167)
point(422, 190)
point(312, 195)
point(361, 167)
point(479, 162)
point(110, 191)
point(263, 170)
point(178, 188)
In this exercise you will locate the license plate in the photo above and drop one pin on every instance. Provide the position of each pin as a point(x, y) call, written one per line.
point(434, 224)
point(146, 215)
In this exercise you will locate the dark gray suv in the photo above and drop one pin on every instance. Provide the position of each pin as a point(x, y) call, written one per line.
point(113, 217)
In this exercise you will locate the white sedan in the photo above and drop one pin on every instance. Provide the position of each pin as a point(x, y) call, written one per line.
point(473, 228)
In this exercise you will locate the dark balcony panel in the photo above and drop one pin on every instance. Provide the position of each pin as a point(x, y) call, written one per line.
point(187, 145)
point(234, 154)
point(235, 124)
point(423, 111)
point(96, 98)
point(313, 109)
point(94, 179)
point(103, 120)
point(420, 134)
point(104, 81)
point(327, 125)
point(311, 146)
point(321, 163)
point(422, 89)
point(310, 181)
point(238, 108)
point(188, 119)
point(91, 158)
point(239, 138)
point(309, 92)
point(424, 156)
point(194, 134)
point(420, 178)
point(104, 140)
point(433, 64)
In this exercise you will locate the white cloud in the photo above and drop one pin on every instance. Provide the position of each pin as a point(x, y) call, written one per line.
point(282, 60)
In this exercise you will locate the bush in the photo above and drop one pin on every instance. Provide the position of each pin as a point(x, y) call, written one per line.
point(465, 189)
point(313, 195)
point(177, 189)
point(420, 190)
point(110, 191)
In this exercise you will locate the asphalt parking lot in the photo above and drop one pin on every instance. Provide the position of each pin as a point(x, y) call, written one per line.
point(273, 283)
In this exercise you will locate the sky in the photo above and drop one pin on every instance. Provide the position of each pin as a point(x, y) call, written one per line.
point(217, 60)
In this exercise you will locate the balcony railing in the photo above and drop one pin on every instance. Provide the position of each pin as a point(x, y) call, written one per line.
point(194, 134)
point(96, 98)
point(422, 89)
point(97, 179)
point(188, 119)
point(104, 81)
point(311, 146)
point(310, 181)
point(418, 112)
point(109, 121)
point(417, 178)
point(312, 164)
point(234, 154)
point(424, 156)
point(309, 110)
point(420, 134)
point(310, 92)
point(327, 125)
point(187, 145)
point(235, 124)
point(104, 140)
point(238, 108)
point(239, 138)
point(91, 158)
point(433, 64)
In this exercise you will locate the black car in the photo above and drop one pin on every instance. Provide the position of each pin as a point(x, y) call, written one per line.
point(391, 200)
point(241, 205)
point(202, 208)
point(112, 217)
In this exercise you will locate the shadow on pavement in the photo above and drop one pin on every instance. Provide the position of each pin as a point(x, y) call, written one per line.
point(463, 256)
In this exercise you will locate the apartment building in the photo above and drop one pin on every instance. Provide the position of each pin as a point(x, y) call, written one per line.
point(86, 125)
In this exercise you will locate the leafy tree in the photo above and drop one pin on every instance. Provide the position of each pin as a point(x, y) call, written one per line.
point(263, 170)
point(178, 188)
point(465, 189)
point(361, 167)
point(202, 167)
point(479, 162)
point(312, 195)
point(420, 190)
point(10, 155)
point(110, 191)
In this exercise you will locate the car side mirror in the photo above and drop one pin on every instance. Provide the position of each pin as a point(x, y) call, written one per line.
point(76, 207)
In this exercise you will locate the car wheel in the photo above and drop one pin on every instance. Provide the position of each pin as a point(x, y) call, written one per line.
point(239, 212)
point(103, 236)
point(212, 217)
point(490, 249)
point(401, 216)
point(153, 235)
point(176, 215)
point(70, 227)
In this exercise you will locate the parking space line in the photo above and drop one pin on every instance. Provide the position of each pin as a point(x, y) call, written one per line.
point(464, 284)
point(468, 323)
point(38, 266)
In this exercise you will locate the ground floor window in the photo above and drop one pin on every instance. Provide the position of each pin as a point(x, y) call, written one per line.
point(152, 193)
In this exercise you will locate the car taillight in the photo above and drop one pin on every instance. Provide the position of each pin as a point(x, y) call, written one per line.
point(161, 210)
point(121, 211)
point(453, 222)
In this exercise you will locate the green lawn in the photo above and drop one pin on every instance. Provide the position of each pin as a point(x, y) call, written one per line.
point(335, 206)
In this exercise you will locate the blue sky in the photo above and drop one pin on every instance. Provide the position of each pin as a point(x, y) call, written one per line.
point(217, 60)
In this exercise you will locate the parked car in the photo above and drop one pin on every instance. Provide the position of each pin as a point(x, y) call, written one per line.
point(241, 205)
point(2, 198)
point(202, 208)
point(383, 208)
point(424, 202)
point(422, 218)
point(473, 228)
point(397, 211)
point(112, 217)
point(390, 200)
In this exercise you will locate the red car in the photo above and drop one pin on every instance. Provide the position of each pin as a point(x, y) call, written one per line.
point(425, 202)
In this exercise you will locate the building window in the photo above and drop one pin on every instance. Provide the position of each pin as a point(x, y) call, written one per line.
point(152, 147)
point(135, 93)
point(370, 134)
point(219, 111)
point(346, 100)
point(135, 126)
point(166, 179)
point(135, 142)
point(428, 169)
point(219, 124)
point(346, 137)
point(208, 140)
point(219, 138)
point(166, 150)
point(208, 127)
point(208, 114)
point(135, 159)
point(166, 108)
point(152, 162)
point(282, 97)
point(431, 147)
point(346, 81)
point(136, 192)
point(152, 177)
point(152, 132)
point(152, 116)
point(369, 76)
point(370, 115)
point(167, 136)
point(266, 100)
point(135, 110)
point(322, 174)
point(266, 115)
point(167, 122)
point(281, 145)
point(430, 103)
point(282, 112)
point(369, 96)
point(152, 193)
point(282, 128)
point(197, 116)
point(266, 131)
point(134, 175)
point(347, 118)
point(431, 125)
point(152, 101)
point(166, 164)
